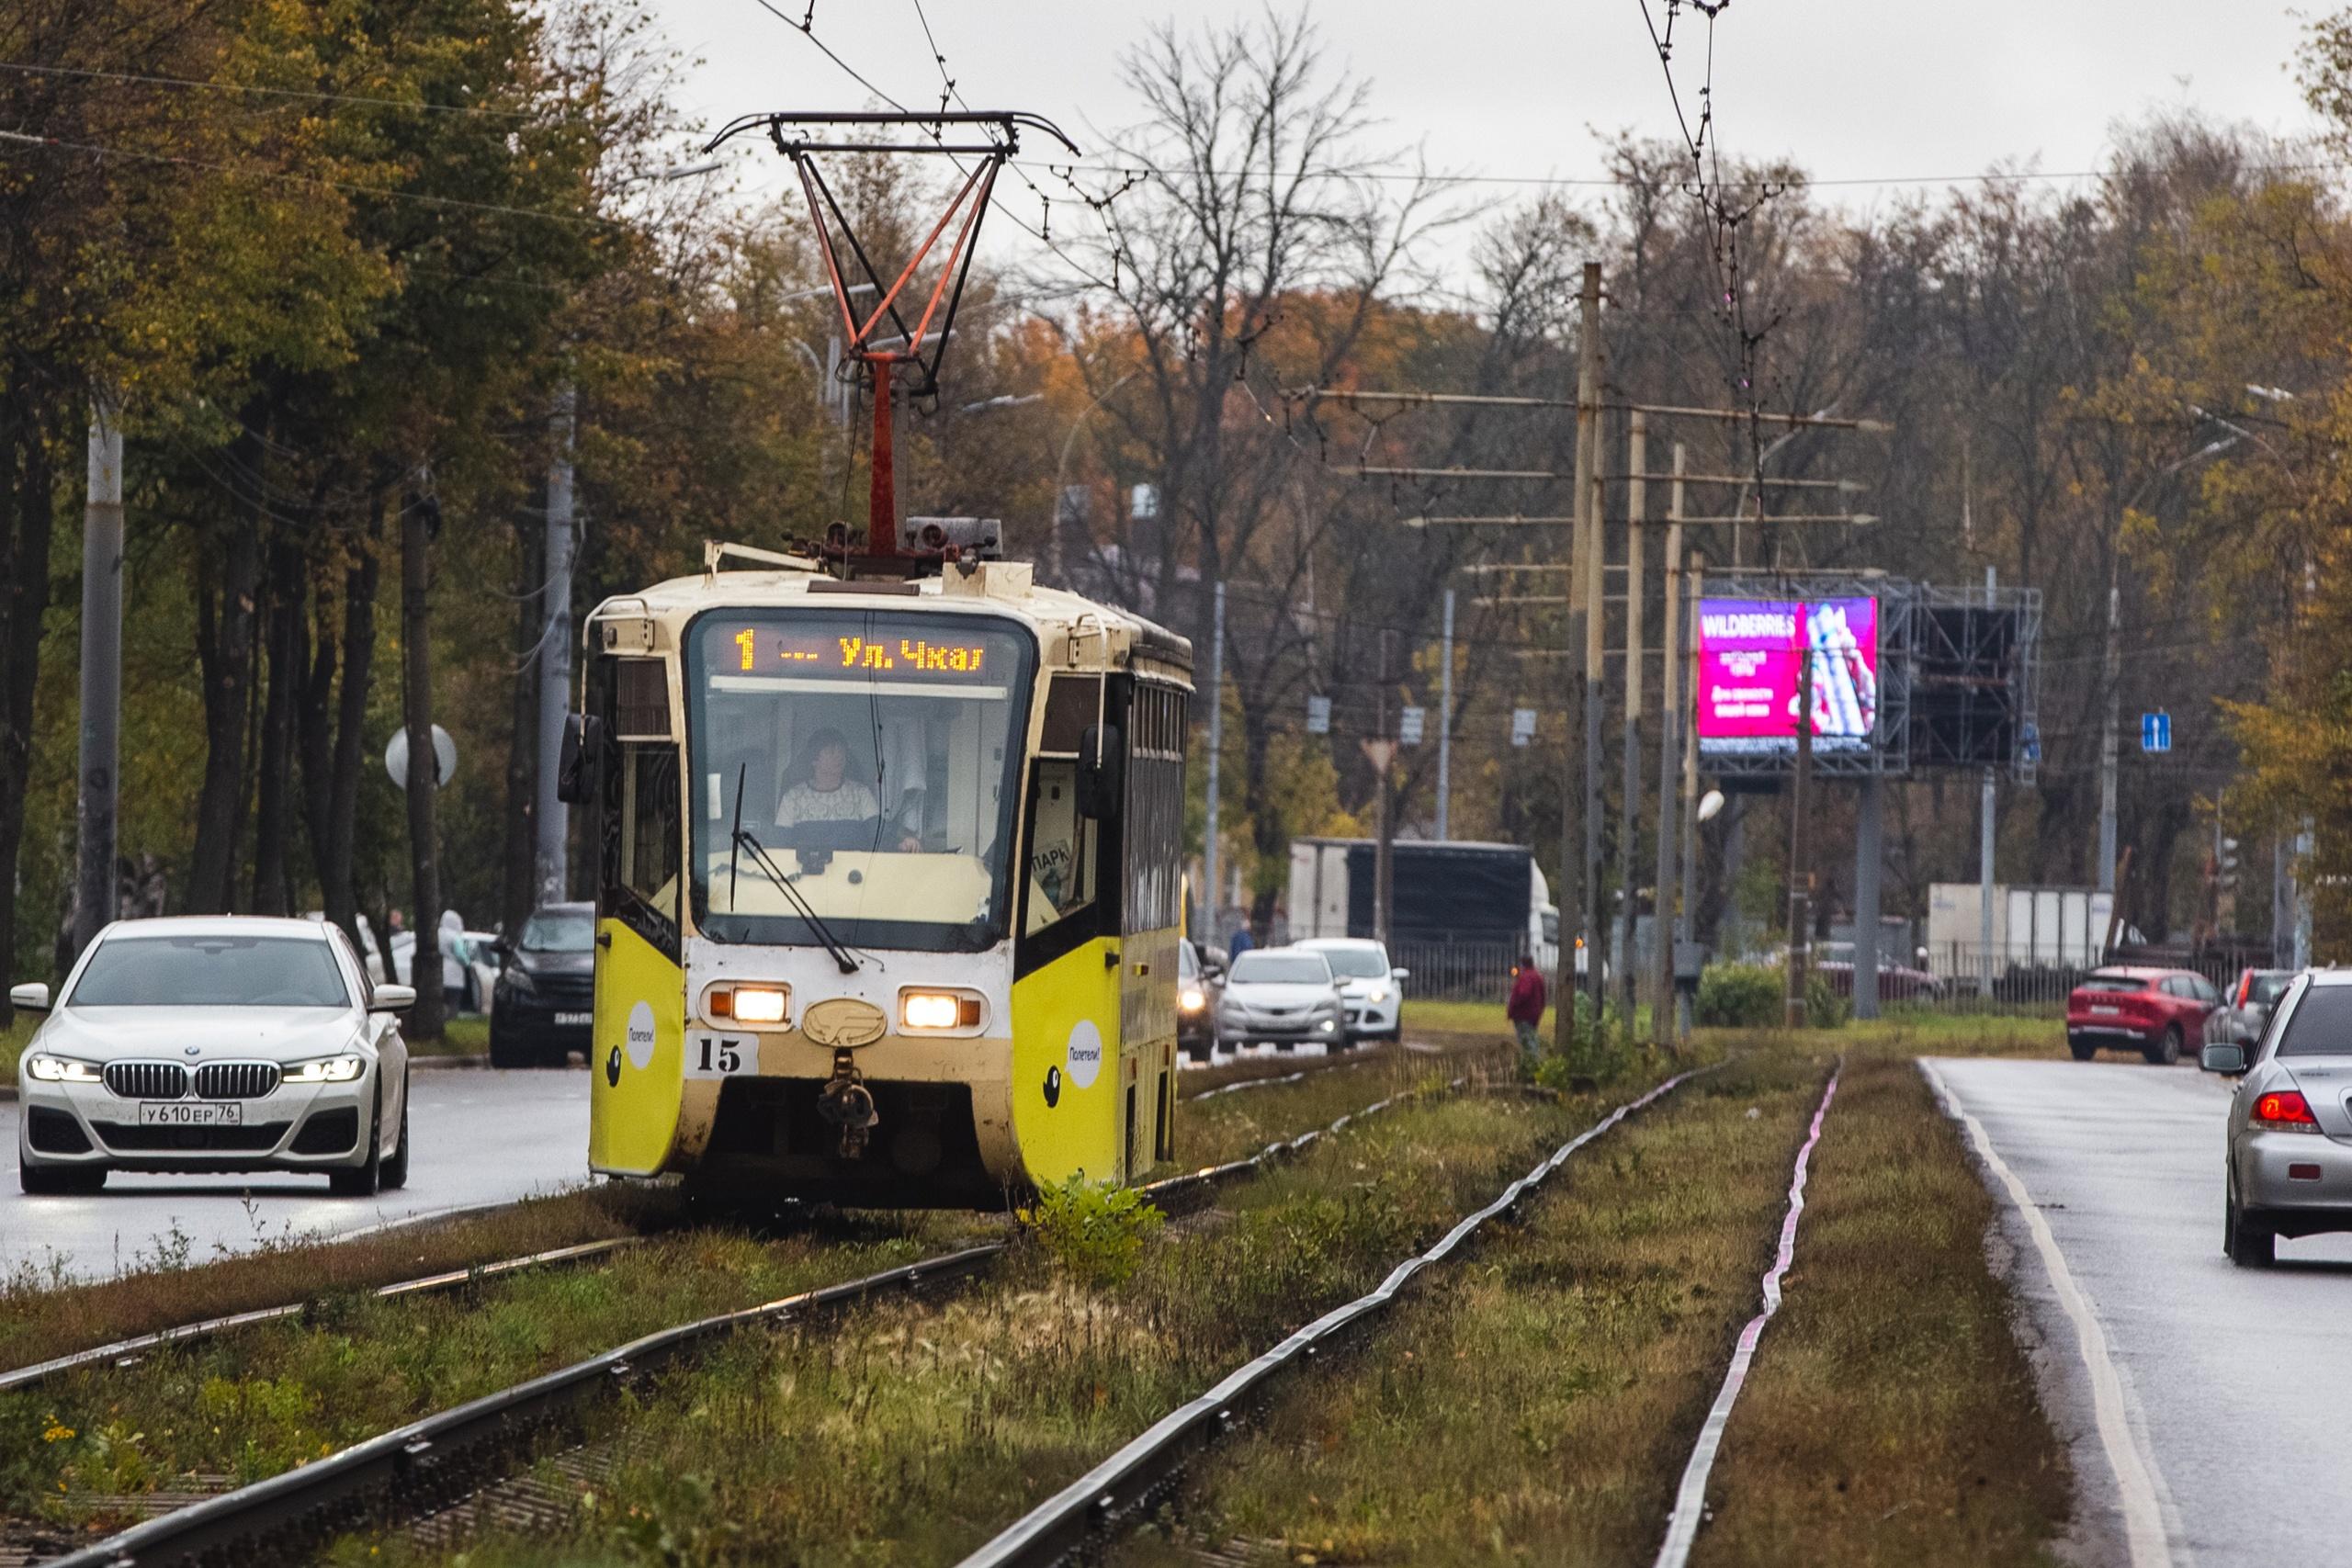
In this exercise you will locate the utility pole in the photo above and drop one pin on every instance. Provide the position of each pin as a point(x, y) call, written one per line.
point(1212, 903)
point(1629, 812)
point(1666, 921)
point(1596, 625)
point(96, 894)
point(2111, 674)
point(1580, 564)
point(1445, 726)
point(1382, 751)
point(551, 819)
point(1694, 589)
point(1801, 834)
point(423, 782)
point(1985, 843)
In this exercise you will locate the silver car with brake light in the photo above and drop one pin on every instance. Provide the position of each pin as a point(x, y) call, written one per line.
point(2289, 1151)
point(213, 1045)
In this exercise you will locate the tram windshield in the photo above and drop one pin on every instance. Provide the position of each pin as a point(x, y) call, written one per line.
point(853, 775)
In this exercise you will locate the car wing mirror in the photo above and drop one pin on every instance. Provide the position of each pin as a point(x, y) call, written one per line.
point(1400, 976)
point(2226, 1057)
point(393, 999)
point(581, 760)
point(32, 996)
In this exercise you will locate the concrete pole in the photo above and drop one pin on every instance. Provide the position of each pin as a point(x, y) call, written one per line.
point(1985, 852)
point(1445, 727)
point(97, 896)
point(1629, 811)
point(1868, 853)
point(1694, 585)
point(1666, 923)
point(552, 820)
point(1596, 625)
point(1572, 802)
point(1212, 893)
point(2109, 739)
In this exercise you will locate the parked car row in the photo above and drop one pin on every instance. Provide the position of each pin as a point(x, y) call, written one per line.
point(1327, 991)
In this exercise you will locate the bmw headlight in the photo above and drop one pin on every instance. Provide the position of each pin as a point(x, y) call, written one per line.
point(58, 1069)
point(327, 1070)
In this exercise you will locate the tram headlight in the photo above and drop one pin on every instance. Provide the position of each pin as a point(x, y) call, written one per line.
point(930, 1011)
point(759, 1004)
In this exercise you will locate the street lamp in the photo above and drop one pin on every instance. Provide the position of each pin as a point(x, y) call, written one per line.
point(1061, 473)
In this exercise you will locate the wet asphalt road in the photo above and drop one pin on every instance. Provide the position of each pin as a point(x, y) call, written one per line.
point(2226, 1392)
point(477, 1137)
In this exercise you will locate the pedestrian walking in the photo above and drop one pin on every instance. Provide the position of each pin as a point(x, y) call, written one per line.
point(1525, 1008)
point(1242, 942)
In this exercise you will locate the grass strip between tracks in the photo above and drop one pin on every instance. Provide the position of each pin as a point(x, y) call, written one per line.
point(1539, 1403)
point(45, 1315)
point(83, 1447)
point(914, 1433)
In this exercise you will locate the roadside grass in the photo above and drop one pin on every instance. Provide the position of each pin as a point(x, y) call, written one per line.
point(274, 1396)
point(1891, 1415)
point(914, 1435)
point(1536, 1400)
point(13, 1041)
point(44, 1312)
point(267, 1399)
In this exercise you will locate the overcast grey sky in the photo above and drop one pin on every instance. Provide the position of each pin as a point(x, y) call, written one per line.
point(1854, 90)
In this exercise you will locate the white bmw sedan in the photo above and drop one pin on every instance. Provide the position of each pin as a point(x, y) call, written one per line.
point(215, 1044)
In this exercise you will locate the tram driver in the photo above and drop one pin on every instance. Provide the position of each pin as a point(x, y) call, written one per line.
point(827, 793)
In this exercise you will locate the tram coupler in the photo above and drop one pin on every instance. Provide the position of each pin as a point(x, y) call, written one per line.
point(848, 1104)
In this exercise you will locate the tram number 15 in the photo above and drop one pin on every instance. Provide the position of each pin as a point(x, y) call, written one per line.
point(720, 1055)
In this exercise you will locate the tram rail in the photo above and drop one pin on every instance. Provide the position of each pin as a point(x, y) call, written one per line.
point(1087, 1514)
point(442, 1460)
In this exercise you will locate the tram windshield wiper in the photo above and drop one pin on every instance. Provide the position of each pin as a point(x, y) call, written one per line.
point(746, 839)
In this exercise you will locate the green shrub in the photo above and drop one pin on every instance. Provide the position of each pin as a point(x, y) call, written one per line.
point(1096, 1230)
point(1741, 996)
point(1823, 1008)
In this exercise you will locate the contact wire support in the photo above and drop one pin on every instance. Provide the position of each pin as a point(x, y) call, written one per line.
point(1690, 1497)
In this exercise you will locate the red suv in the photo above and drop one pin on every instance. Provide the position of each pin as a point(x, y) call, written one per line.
point(2156, 1012)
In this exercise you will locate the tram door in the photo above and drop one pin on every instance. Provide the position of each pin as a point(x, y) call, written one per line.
point(1152, 720)
point(640, 1019)
point(1068, 1074)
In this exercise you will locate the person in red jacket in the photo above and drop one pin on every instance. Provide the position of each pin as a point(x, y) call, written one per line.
point(1525, 1009)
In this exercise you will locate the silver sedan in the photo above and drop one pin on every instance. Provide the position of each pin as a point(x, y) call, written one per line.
point(221, 1044)
point(2289, 1139)
point(1284, 997)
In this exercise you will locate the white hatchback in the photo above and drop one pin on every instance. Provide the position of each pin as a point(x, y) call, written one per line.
point(215, 1044)
point(1374, 991)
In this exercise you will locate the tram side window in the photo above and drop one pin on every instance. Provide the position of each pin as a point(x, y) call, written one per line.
point(1061, 849)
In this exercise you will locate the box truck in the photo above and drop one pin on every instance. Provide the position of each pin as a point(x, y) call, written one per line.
point(1448, 892)
point(2033, 928)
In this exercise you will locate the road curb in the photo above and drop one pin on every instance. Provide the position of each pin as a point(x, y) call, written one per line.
point(417, 1064)
point(7, 1094)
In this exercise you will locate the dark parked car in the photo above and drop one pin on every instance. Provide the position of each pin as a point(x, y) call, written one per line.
point(2158, 1012)
point(547, 989)
point(1897, 982)
point(1198, 984)
point(2247, 1010)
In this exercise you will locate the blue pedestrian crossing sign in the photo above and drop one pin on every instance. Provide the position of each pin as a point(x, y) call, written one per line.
point(2155, 732)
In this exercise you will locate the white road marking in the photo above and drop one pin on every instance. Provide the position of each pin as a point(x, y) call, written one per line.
point(2136, 1478)
point(1690, 1497)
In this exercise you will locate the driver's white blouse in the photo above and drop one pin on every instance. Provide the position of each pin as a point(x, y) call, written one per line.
point(847, 802)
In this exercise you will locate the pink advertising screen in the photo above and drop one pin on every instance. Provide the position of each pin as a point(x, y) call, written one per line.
point(1749, 651)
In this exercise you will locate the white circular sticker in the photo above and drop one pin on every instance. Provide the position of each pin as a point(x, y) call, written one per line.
point(1085, 1053)
point(640, 1036)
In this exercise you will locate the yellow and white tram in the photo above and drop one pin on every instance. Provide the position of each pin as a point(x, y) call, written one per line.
point(890, 883)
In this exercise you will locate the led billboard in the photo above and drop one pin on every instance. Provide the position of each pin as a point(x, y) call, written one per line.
point(1748, 682)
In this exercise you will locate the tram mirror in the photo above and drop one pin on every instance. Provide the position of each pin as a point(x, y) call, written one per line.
point(1102, 772)
point(584, 749)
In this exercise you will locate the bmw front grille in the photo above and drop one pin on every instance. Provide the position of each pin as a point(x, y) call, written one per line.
point(236, 1080)
point(147, 1080)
